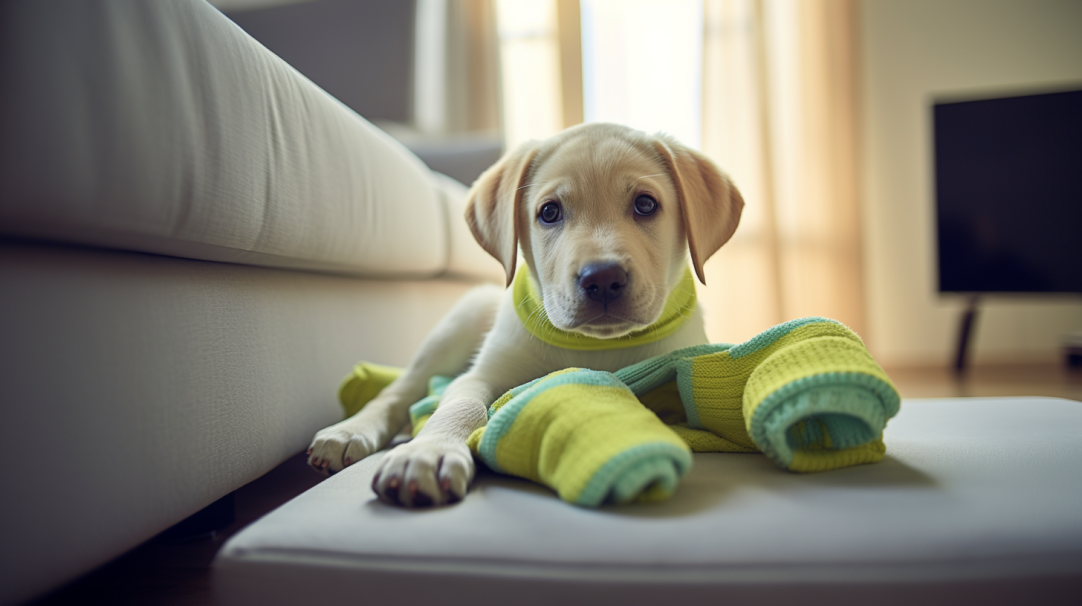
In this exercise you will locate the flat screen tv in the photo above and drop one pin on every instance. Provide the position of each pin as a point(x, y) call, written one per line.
point(1008, 190)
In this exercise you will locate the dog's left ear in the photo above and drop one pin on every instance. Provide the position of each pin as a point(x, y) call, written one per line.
point(710, 203)
point(492, 203)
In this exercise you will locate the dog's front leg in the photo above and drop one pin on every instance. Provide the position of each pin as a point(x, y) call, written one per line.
point(447, 350)
point(436, 467)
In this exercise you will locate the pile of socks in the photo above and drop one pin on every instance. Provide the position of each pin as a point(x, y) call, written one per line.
point(807, 394)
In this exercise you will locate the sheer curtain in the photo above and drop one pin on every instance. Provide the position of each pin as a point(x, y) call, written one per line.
point(530, 69)
point(456, 73)
point(780, 114)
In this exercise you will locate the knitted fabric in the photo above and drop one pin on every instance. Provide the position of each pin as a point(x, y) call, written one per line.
point(805, 393)
point(612, 449)
point(363, 383)
point(531, 312)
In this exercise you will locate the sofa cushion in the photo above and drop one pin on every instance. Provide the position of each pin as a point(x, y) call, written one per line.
point(162, 127)
point(977, 497)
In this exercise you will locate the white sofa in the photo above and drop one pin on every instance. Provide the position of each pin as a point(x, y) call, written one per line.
point(196, 243)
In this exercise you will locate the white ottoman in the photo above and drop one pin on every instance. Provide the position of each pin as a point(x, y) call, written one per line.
point(978, 499)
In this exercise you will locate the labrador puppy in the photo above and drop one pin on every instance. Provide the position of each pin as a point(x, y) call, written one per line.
point(605, 218)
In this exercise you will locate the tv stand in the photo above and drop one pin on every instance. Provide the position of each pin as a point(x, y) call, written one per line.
point(965, 334)
point(1072, 349)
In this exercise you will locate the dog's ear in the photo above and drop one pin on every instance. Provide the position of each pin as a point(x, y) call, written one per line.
point(492, 202)
point(710, 203)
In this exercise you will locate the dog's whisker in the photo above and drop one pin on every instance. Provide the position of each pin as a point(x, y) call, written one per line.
point(537, 317)
point(523, 302)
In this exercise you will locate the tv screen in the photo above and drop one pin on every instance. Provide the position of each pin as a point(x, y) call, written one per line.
point(1008, 181)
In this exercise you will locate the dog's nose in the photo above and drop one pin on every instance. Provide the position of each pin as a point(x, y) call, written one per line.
point(603, 281)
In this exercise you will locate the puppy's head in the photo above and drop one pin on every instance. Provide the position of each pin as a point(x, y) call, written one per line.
point(605, 216)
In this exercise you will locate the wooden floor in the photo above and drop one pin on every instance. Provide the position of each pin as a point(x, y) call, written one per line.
point(1057, 381)
point(178, 574)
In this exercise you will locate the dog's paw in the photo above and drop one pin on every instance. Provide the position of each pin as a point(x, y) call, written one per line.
point(336, 447)
point(425, 472)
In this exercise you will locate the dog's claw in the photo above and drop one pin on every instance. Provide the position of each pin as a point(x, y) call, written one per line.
point(343, 444)
point(424, 473)
point(420, 499)
point(393, 497)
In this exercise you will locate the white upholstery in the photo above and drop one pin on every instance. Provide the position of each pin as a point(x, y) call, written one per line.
point(163, 127)
point(978, 498)
point(138, 389)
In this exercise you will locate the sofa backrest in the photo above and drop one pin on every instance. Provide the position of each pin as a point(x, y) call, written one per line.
point(163, 127)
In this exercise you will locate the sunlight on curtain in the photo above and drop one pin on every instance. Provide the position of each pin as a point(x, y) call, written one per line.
point(820, 214)
point(742, 295)
point(779, 115)
point(455, 80)
point(532, 94)
point(642, 65)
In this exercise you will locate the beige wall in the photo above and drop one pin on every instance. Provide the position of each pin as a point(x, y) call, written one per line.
point(913, 50)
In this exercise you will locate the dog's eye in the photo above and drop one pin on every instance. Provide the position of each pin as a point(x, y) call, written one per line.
point(550, 212)
point(645, 205)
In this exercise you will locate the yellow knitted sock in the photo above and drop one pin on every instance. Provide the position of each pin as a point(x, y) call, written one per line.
point(363, 383)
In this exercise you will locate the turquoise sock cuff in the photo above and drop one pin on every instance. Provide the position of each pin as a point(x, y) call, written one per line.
point(629, 473)
point(805, 412)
